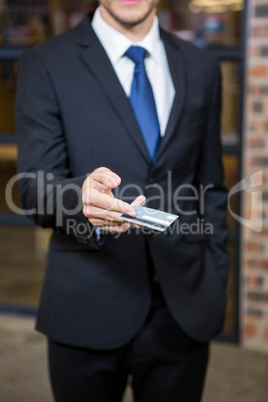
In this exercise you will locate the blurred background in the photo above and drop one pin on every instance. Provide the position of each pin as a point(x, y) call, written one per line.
point(236, 31)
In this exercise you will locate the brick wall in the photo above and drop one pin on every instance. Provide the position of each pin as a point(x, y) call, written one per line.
point(254, 245)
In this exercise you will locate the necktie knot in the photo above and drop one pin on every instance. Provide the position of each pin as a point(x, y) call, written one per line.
point(136, 54)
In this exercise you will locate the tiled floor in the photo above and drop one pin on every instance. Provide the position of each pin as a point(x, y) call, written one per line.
point(235, 375)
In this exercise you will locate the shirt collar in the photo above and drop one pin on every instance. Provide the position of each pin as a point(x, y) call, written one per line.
point(116, 44)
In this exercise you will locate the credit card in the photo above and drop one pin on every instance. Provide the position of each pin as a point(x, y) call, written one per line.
point(151, 218)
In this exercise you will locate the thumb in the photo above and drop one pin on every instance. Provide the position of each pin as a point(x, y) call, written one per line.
point(139, 201)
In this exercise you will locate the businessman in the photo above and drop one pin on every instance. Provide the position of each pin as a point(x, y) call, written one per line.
point(111, 114)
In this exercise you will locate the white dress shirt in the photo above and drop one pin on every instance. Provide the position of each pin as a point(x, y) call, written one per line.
point(156, 64)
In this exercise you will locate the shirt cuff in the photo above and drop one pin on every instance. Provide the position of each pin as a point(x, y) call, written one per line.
point(99, 236)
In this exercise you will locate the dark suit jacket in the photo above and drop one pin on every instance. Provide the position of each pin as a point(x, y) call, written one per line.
point(72, 117)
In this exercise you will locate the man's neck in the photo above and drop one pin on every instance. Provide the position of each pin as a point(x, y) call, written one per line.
point(135, 33)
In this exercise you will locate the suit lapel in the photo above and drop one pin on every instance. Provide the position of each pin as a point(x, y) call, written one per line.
point(97, 61)
point(176, 66)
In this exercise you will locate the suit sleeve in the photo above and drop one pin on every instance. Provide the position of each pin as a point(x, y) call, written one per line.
point(50, 195)
point(211, 175)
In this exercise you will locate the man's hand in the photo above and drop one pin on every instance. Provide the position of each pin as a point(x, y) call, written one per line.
point(101, 207)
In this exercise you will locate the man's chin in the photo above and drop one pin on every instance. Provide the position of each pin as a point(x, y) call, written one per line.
point(131, 22)
point(129, 18)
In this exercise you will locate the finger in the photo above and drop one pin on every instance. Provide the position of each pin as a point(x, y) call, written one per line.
point(104, 176)
point(105, 222)
point(116, 229)
point(139, 201)
point(115, 223)
point(91, 211)
point(94, 213)
point(109, 203)
point(106, 216)
point(135, 225)
point(93, 190)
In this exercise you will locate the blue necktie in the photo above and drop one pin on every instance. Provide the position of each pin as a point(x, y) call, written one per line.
point(142, 101)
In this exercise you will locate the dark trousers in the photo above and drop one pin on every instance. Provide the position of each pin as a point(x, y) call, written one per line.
point(165, 364)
